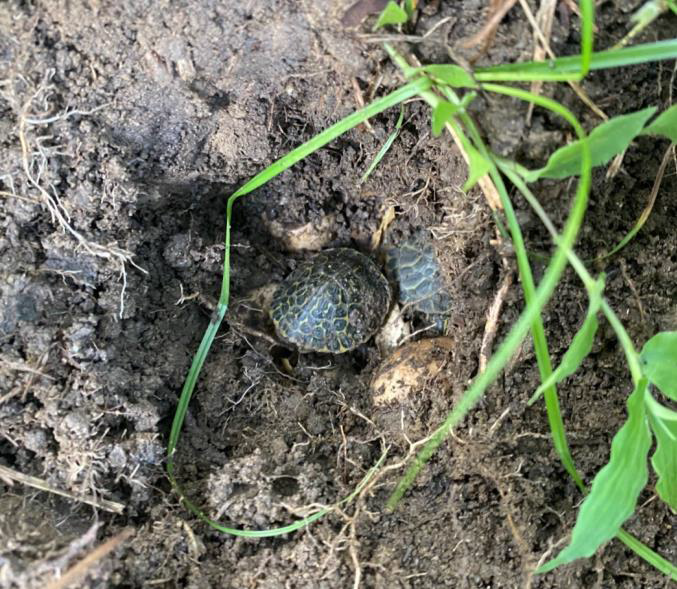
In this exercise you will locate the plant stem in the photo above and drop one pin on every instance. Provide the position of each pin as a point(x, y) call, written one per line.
point(530, 317)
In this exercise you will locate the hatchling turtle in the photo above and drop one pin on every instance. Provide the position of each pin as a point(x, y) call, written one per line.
point(331, 303)
point(414, 268)
point(339, 299)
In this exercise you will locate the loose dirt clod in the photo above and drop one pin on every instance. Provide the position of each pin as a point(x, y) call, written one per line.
point(409, 370)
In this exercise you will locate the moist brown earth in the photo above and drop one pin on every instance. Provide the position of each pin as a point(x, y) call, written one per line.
point(137, 120)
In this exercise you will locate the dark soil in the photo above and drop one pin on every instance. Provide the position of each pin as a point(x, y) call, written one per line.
point(140, 118)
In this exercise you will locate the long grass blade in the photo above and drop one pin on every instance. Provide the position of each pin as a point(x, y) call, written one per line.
point(555, 421)
point(653, 558)
point(587, 34)
point(523, 324)
point(569, 68)
point(632, 357)
point(580, 346)
point(261, 178)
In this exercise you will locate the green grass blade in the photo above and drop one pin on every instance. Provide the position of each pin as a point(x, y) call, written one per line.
point(385, 147)
point(555, 420)
point(569, 68)
point(614, 492)
point(449, 74)
point(393, 99)
point(580, 347)
point(587, 34)
point(526, 320)
point(189, 386)
point(659, 362)
point(508, 168)
point(557, 429)
point(606, 140)
point(656, 560)
point(664, 459)
point(631, 355)
point(261, 178)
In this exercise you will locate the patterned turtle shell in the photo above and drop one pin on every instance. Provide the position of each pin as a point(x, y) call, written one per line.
point(331, 303)
point(414, 268)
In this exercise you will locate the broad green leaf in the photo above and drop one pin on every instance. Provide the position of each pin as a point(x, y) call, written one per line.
point(442, 114)
point(581, 344)
point(664, 459)
point(410, 7)
point(665, 124)
point(445, 110)
point(452, 75)
point(478, 166)
point(392, 15)
point(659, 362)
point(606, 140)
point(614, 492)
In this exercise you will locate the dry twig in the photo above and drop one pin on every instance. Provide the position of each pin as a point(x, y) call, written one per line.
point(10, 476)
point(492, 320)
point(544, 48)
point(498, 9)
point(79, 570)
